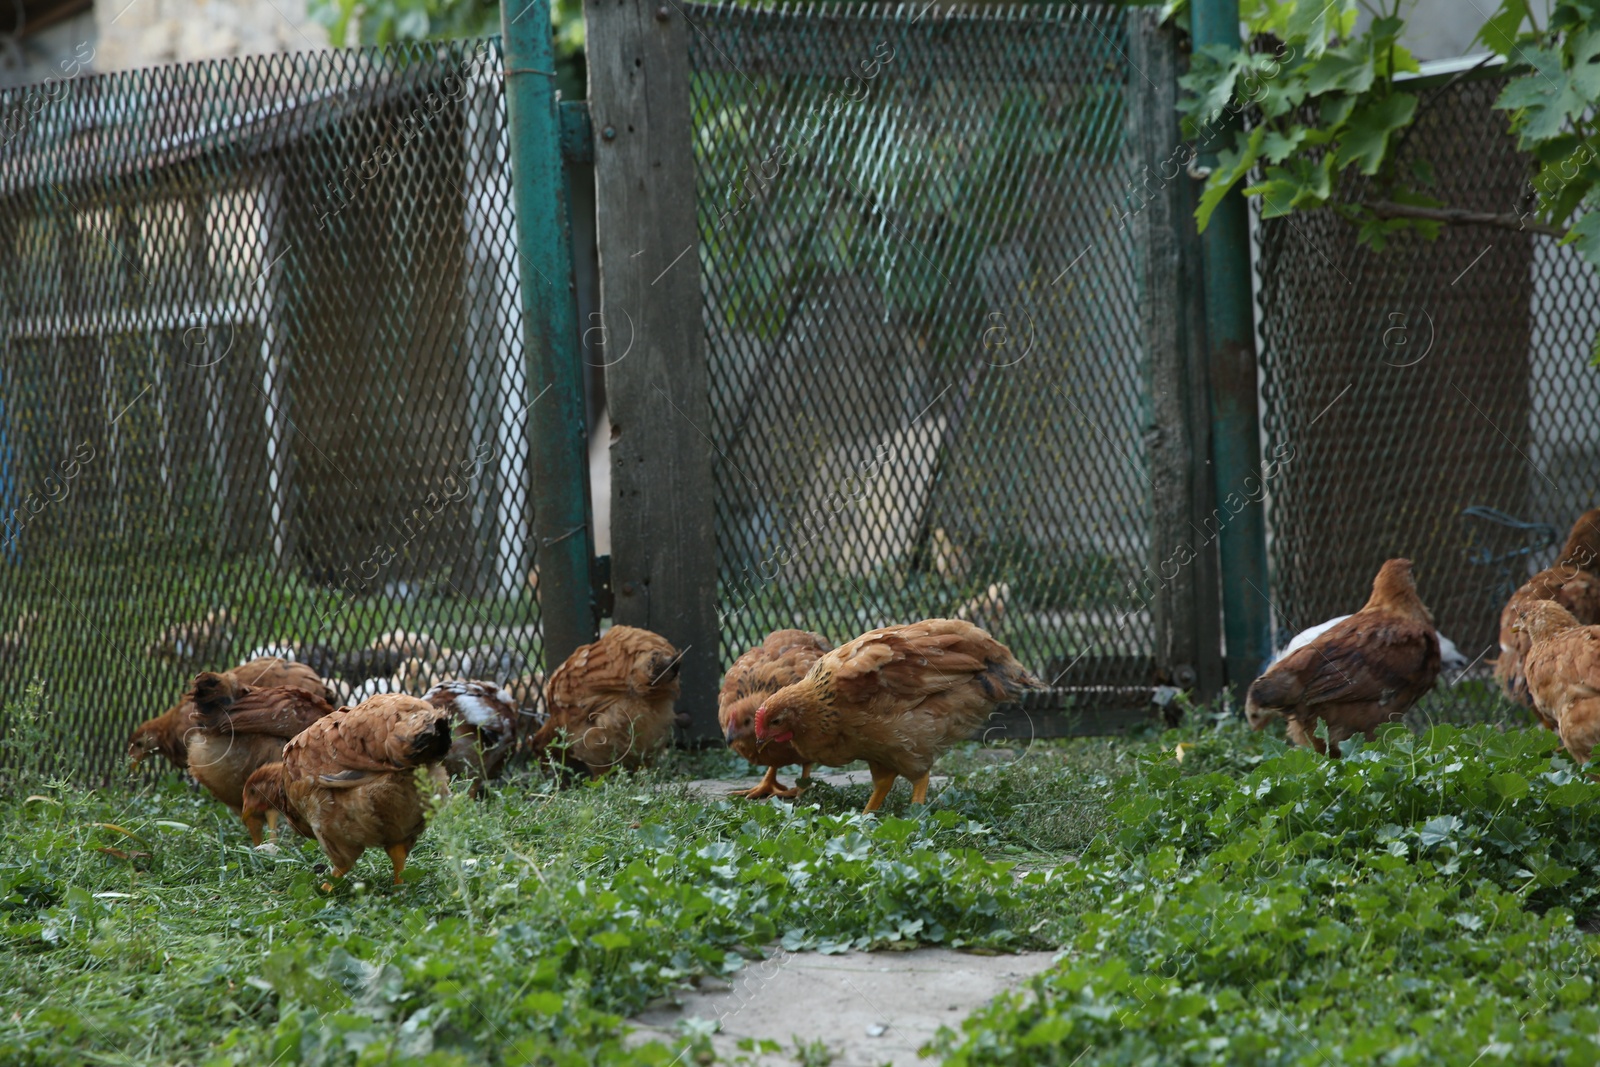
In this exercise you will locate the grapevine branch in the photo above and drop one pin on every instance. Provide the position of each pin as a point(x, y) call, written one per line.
point(1388, 209)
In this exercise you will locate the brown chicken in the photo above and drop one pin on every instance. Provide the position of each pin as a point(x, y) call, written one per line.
point(611, 702)
point(1359, 674)
point(485, 718)
point(1563, 674)
point(242, 729)
point(348, 780)
point(166, 732)
point(896, 697)
point(782, 659)
point(1573, 582)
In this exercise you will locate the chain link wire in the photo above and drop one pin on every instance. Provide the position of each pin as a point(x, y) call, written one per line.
point(261, 376)
point(918, 411)
point(1437, 397)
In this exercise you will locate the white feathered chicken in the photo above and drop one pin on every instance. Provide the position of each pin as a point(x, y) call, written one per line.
point(1450, 657)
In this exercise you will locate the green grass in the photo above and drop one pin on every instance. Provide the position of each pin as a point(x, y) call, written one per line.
point(140, 927)
point(1418, 902)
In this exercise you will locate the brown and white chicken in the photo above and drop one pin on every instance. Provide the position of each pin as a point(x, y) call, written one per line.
point(782, 659)
point(987, 610)
point(485, 727)
point(166, 733)
point(242, 729)
point(1358, 674)
point(1573, 582)
point(1562, 668)
point(195, 643)
point(348, 780)
point(611, 702)
point(14, 642)
point(895, 697)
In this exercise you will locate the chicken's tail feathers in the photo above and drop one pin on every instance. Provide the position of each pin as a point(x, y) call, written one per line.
point(429, 737)
point(1007, 679)
point(212, 695)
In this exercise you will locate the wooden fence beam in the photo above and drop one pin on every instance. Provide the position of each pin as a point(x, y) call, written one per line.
point(1181, 573)
point(663, 535)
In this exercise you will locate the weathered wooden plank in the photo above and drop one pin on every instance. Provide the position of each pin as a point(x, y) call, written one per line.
point(1206, 565)
point(1157, 210)
point(663, 542)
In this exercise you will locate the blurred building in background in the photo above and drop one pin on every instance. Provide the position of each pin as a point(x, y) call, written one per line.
point(42, 39)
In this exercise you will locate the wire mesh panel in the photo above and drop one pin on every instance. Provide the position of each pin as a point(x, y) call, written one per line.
point(1436, 396)
point(261, 379)
point(922, 325)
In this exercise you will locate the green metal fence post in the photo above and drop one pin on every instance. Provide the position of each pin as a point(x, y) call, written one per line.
point(544, 261)
point(1236, 450)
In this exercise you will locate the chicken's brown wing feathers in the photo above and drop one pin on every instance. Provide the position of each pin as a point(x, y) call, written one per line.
point(280, 711)
point(389, 732)
point(925, 659)
point(1366, 662)
point(782, 659)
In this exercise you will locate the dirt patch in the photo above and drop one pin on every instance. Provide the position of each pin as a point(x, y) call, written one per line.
point(719, 788)
point(868, 1008)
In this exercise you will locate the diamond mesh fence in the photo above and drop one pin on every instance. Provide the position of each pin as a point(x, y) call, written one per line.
point(922, 326)
point(1437, 397)
point(261, 379)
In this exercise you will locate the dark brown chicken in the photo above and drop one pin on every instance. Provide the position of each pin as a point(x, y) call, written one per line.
point(1359, 674)
point(485, 720)
point(348, 779)
point(1563, 674)
point(166, 732)
point(242, 729)
point(896, 697)
point(782, 659)
point(1573, 582)
point(611, 702)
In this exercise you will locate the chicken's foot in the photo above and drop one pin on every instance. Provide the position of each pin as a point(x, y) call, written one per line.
point(768, 787)
point(882, 782)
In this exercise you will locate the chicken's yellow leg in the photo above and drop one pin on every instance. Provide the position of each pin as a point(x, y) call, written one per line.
point(272, 824)
point(397, 856)
point(919, 790)
point(882, 782)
